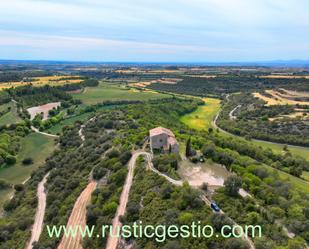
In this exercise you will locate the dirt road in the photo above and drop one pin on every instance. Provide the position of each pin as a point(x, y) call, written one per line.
point(148, 157)
point(78, 218)
point(112, 241)
point(39, 215)
point(43, 133)
point(215, 126)
point(231, 114)
point(81, 130)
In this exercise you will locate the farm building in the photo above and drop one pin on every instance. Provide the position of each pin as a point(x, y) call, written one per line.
point(163, 139)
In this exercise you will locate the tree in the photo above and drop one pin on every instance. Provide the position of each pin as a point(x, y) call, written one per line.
point(19, 187)
point(235, 244)
point(232, 185)
point(27, 161)
point(205, 186)
point(4, 184)
point(297, 243)
point(188, 147)
point(172, 245)
point(10, 160)
point(285, 147)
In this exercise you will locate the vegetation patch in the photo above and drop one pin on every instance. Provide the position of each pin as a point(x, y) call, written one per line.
point(203, 116)
point(35, 147)
point(41, 81)
point(105, 92)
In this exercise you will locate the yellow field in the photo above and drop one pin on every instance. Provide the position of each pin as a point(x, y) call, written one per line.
point(278, 99)
point(293, 94)
point(293, 115)
point(40, 81)
point(207, 76)
point(171, 81)
point(285, 76)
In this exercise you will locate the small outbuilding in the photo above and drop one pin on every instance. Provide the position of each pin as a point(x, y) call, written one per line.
point(163, 139)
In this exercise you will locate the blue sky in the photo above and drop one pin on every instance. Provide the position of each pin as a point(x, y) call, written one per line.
point(154, 30)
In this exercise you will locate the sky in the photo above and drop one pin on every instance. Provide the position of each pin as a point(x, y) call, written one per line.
point(154, 30)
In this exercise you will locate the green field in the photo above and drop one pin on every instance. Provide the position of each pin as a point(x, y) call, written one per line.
point(105, 92)
point(4, 107)
point(305, 175)
point(57, 129)
point(36, 146)
point(295, 181)
point(278, 148)
point(203, 116)
point(10, 117)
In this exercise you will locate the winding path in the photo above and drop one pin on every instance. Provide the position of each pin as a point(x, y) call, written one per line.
point(113, 241)
point(231, 114)
point(215, 125)
point(37, 227)
point(43, 133)
point(81, 130)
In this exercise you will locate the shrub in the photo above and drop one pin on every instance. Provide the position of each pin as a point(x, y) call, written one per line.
point(4, 184)
point(27, 161)
point(19, 187)
point(10, 160)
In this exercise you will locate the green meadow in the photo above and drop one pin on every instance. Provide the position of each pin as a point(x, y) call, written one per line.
point(106, 92)
point(10, 117)
point(36, 146)
point(203, 116)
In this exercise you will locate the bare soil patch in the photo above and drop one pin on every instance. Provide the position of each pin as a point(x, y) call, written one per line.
point(42, 109)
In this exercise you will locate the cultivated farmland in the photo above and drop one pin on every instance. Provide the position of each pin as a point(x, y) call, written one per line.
point(40, 81)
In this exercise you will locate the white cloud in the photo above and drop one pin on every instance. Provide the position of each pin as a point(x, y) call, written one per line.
point(238, 28)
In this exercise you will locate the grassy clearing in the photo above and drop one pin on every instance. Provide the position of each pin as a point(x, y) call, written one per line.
point(105, 92)
point(4, 195)
point(4, 107)
point(305, 175)
point(295, 181)
point(36, 146)
point(202, 117)
point(277, 148)
point(10, 117)
point(57, 129)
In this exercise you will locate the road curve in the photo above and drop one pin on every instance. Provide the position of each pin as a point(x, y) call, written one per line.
point(112, 241)
point(37, 227)
point(43, 133)
point(78, 218)
point(215, 126)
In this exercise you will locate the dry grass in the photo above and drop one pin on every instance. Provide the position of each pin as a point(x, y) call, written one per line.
point(278, 99)
point(285, 76)
point(40, 81)
point(171, 81)
point(207, 76)
point(293, 115)
point(293, 94)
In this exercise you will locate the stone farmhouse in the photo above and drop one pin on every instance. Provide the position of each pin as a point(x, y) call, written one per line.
point(163, 139)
